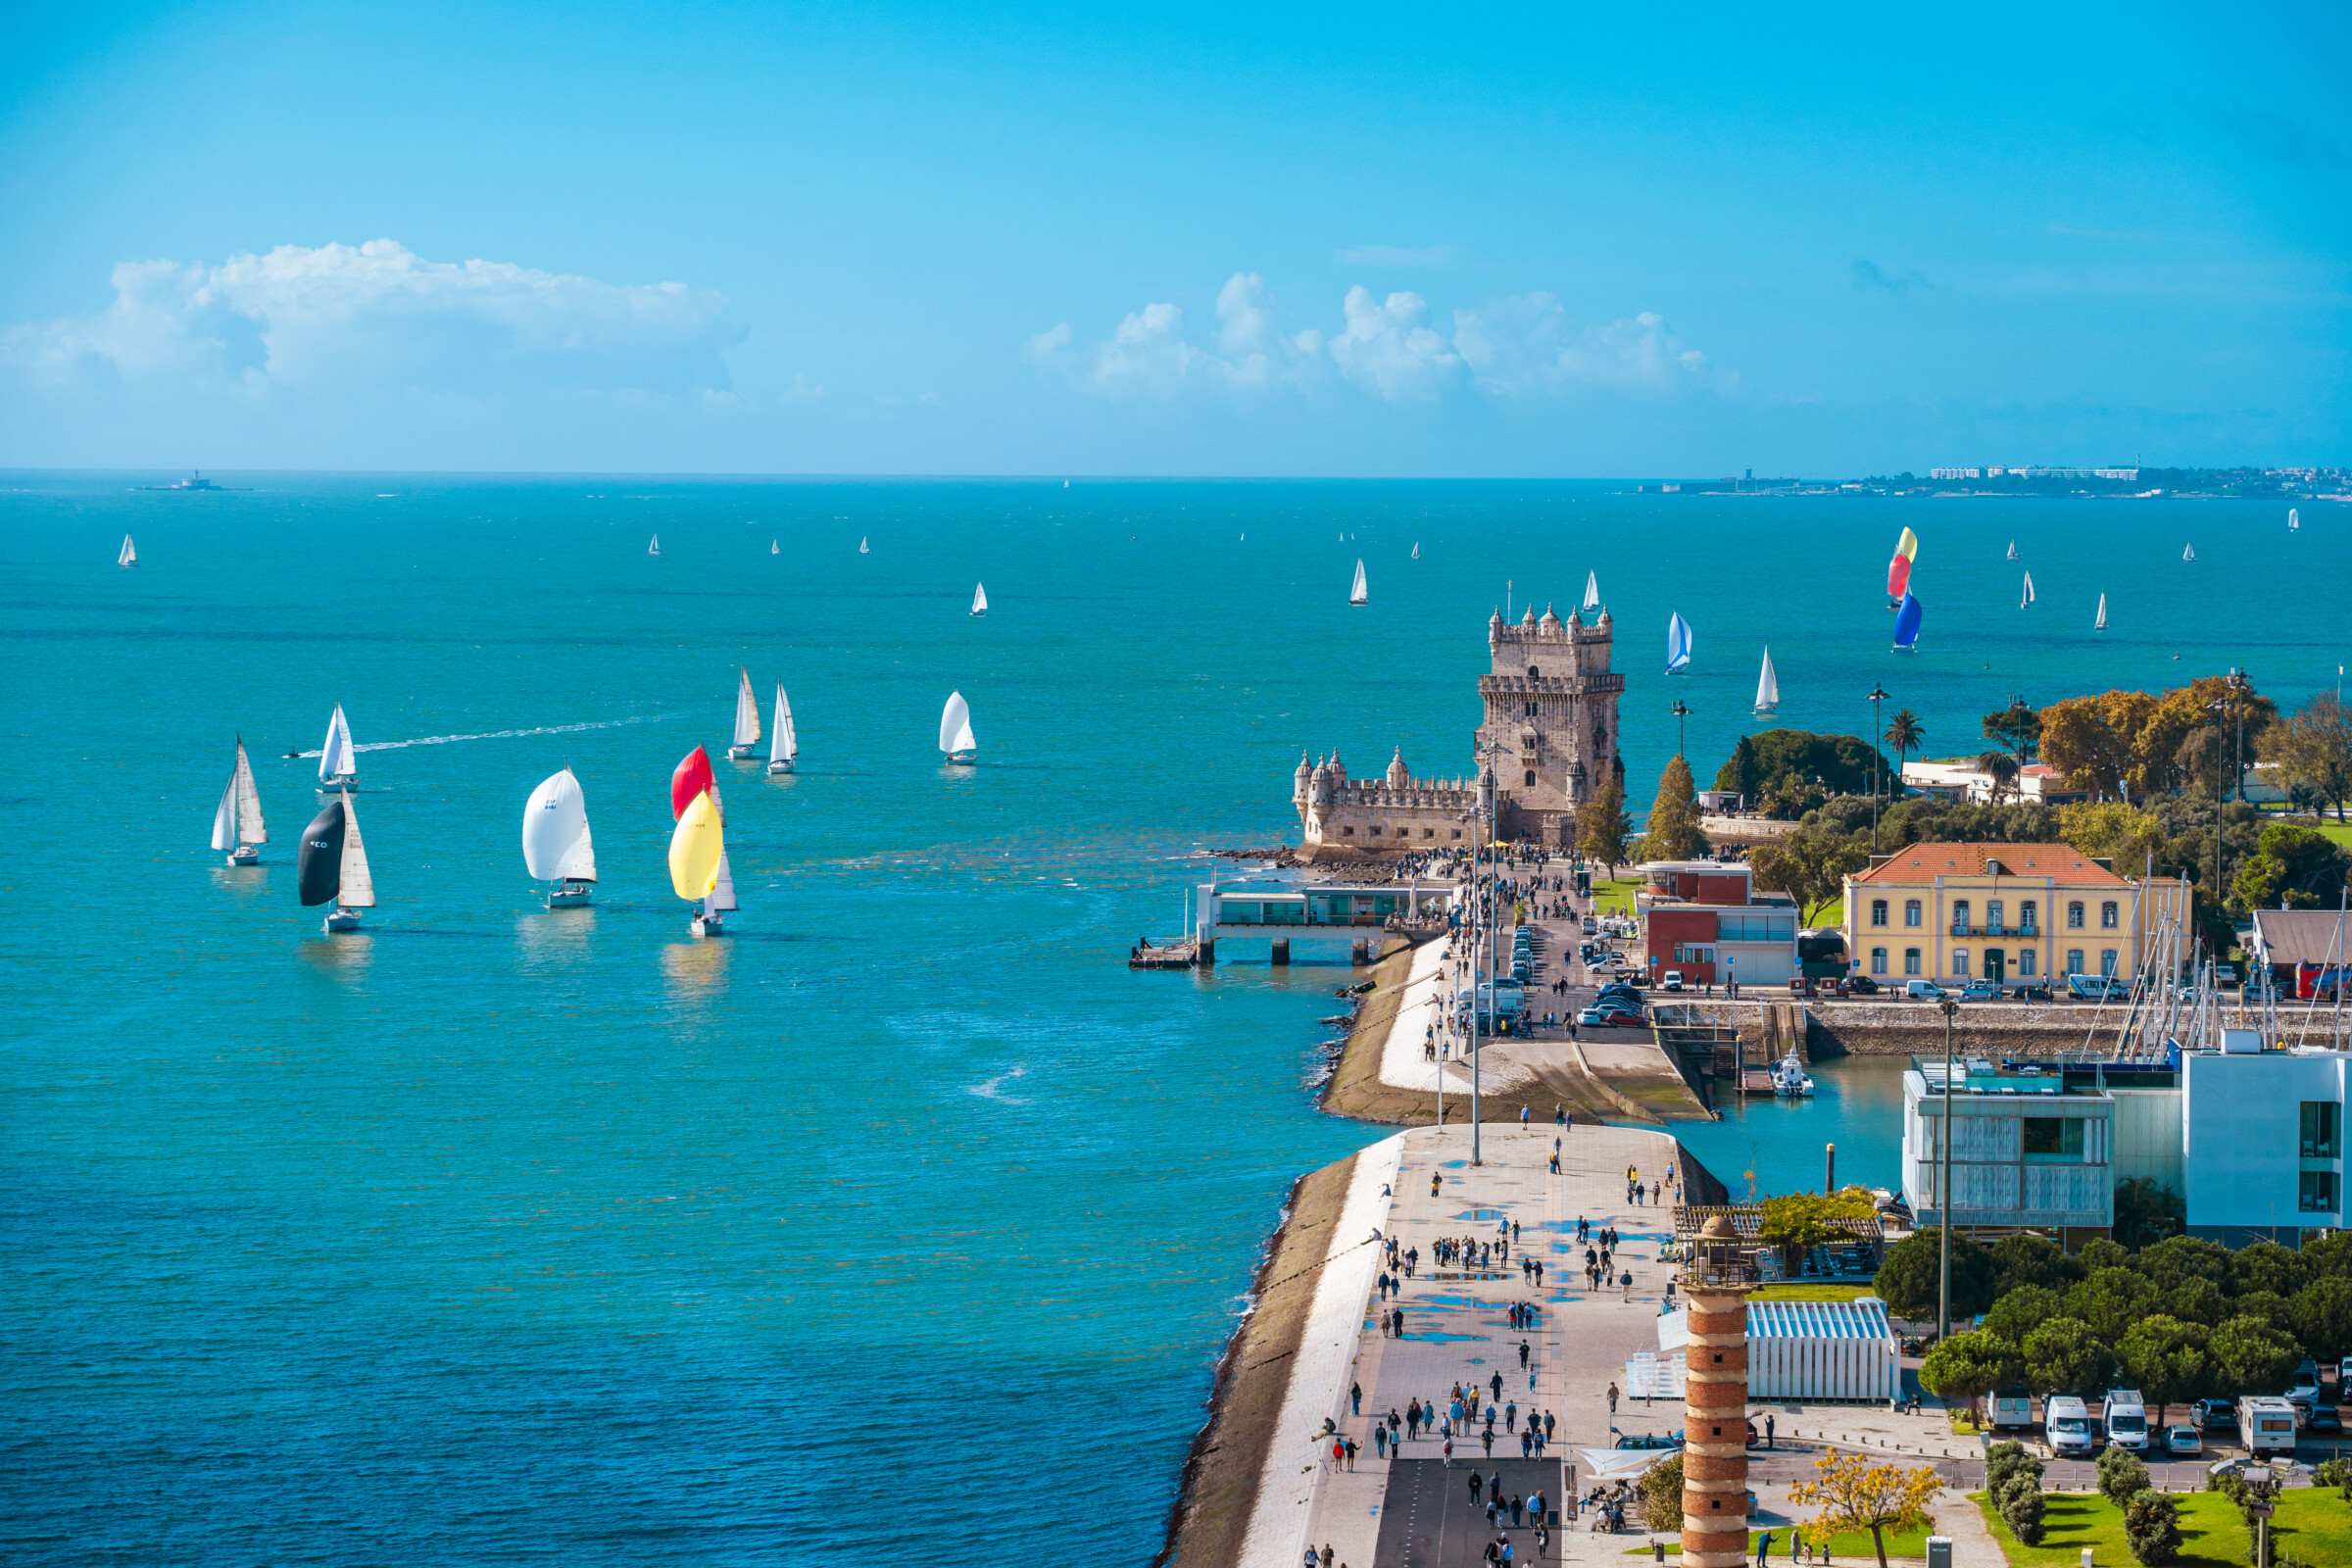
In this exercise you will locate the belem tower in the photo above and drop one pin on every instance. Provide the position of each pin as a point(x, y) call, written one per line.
point(1550, 728)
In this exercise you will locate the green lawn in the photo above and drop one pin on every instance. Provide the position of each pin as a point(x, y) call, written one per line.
point(2313, 1524)
point(1809, 1293)
point(1854, 1547)
point(2341, 832)
point(1615, 898)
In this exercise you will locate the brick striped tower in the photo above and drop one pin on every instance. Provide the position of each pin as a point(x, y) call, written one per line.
point(1715, 1401)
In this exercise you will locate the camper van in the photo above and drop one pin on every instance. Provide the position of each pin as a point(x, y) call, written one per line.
point(2067, 1420)
point(2012, 1410)
point(2125, 1418)
point(2267, 1424)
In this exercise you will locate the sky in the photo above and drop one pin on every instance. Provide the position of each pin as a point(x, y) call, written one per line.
point(907, 239)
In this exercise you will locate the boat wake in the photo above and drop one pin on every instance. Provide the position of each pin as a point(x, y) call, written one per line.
point(992, 1089)
point(498, 734)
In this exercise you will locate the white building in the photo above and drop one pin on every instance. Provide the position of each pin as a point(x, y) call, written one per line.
point(2028, 1150)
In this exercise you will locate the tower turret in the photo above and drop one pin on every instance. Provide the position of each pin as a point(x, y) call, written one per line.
point(1398, 774)
point(1302, 780)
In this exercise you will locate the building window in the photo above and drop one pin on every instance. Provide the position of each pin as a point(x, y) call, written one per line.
point(1457, 832)
point(2074, 915)
point(2024, 963)
point(2025, 917)
point(1993, 915)
point(2107, 962)
point(2107, 916)
point(1530, 778)
point(2073, 960)
point(1429, 832)
point(1959, 917)
point(2054, 1135)
point(1960, 962)
point(1348, 832)
point(1910, 960)
point(1911, 911)
point(2317, 1191)
point(2320, 1119)
point(1878, 960)
point(1373, 831)
point(1878, 911)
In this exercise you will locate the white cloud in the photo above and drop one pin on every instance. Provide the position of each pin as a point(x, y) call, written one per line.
point(1387, 349)
point(378, 317)
point(1150, 355)
point(1524, 345)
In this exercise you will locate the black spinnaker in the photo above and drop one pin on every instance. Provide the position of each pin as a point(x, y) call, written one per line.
point(320, 861)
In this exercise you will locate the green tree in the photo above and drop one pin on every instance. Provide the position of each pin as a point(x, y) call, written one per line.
point(2019, 1311)
point(1969, 1366)
point(1810, 866)
point(2111, 1300)
point(2124, 836)
point(1673, 816)
point(2006, 1458)
point(2313, 746)
point(2330, 1256)
point(1859, 1492)
point(2001, 768)
point(2266, 1307)
point(2146, 1213)
point(2099, 1253)
point(2292, 868)
point(2018, 728)
point(1906, 733)
point(2027, 1259)
point(2322, 1316)
point(1907, 1279)
point(2335, 1475)
point(2152, 1528)
point(2021, 1508)
point(2165, 1359)
point(1661, 1492)
point(2196, 1300)
point(2121, 1474)
point(2064, 1356)
point(2249, 1357)
point(1601, 825)
point(1741, 773)
point(2268, 1266)
point(2178, 1257)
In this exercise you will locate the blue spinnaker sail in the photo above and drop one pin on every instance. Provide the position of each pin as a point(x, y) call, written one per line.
point(1677, 644)
point(1906, 621)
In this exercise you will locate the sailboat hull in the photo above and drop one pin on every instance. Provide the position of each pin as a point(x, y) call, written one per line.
point(963, 759)
point(782, 764)
point(707, 925)
point(339, 783)
point(245, 855)
point(341, 921)
point(571, 895)
point(741, 753)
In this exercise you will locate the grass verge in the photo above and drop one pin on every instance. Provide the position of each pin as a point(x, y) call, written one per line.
point(1809, 1293)
point(2313, 1524)
point(1851, 1547)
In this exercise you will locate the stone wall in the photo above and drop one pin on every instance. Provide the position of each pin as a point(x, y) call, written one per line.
point(1908, 1028)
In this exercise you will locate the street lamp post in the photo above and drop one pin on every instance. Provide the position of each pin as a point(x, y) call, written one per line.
point(1878, 738)
point(1681, 711)
point(1943, 1185)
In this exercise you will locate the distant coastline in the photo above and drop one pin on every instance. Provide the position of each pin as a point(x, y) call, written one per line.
point(2133, 483)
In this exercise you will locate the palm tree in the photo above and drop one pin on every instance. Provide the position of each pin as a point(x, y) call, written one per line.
point(1906, 733)
point(2001, 768)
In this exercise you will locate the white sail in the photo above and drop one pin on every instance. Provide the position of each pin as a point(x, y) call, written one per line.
point(980, 599)
point(782, 744)
point(722, 897)
point(358, 887)
point(862, 549)
point(2189, 552)
point(2294, 519)
point(747, 713)
point(1768, 686)
point(555, 825)
point(1416, 550)
point(2101, 623)
point(1592, 590)
point(2029, 599)
point(337, 758)
point(2012, 550)
point(224, 819)
point(655, 547)
point(773, 548)
point(250, 827)
point(129, 556)
point(955, 725)
point(1356, 594)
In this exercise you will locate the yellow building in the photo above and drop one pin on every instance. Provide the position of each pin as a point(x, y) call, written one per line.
point(2003, 913)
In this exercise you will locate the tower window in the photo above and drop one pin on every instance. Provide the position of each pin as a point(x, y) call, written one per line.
point(1530, 778)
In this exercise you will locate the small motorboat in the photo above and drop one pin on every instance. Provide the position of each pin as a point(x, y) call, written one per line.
point(1789, 1080)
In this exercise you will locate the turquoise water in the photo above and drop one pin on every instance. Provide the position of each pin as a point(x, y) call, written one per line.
point(906, 1215)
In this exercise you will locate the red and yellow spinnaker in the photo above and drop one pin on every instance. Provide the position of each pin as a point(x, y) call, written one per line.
point(691, 778)
point(1898, 570)
point(694, 848)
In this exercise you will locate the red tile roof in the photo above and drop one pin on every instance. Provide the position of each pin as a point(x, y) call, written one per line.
point(1923, 862)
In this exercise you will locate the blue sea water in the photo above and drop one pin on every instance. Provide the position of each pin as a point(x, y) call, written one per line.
point(906, 1217)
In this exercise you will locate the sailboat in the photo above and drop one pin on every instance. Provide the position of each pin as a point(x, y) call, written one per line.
point(1907, 616)
point(862, 549)
point(697, 850)
point(1677, 644)
point(129, 556)
point(331, 867)
point(2029, 599)
point(655, 547)
point(2100, 624)
point(338, 759)
point(2189, 552)
point(980, 599)
point(237, 824)
point(1768, 686)
point(2012, 550)
point(773, 548)
point(1591, 592)
point(717, 902)
point(2294, 519)
point(747, 719)
point(555, 845)
point(1416, 550)
point(956, 731)
point(782, 744)
point(1356, 594)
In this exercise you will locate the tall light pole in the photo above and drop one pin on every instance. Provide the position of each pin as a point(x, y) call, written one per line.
point(1943, 1185)
point(1681, 711)
point(1878, 738)
point(1486, 807)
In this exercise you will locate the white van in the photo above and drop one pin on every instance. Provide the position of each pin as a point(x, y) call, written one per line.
point(2125, 1418)
point(2266, 1424)
point(2012, 1409)
point(2067, 1421)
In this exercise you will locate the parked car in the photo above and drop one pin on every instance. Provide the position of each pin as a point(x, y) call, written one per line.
point(1924, 990)
point(2303, 1392)
point(2095, 987)
point(1981, 990)
point(1860, 985)
point(2216, 1418)
point(2325, 1422)
point(2033, 991)
point(1605, 1016)
point(1617, 991)
point(1673, 980)
point(2182, 1439)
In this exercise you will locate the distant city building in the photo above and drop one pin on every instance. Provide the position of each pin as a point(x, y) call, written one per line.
point(1960, 778)
point(1550, 731)
point(2003, 913)
point(1957, 474)
point(1705, 920)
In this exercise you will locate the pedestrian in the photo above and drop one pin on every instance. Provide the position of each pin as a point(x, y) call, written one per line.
point(1327, 1554)
point(1510, 1416)
point(1628, 1281)
point(1352, 1451)
point(1412, 1417)
point(1523, 1354)
point(1477, 1485)
point(1539, 1261)
point(1449, 1453)
point(1486, 1441)
point(1768, 1443)
point(1517, 1505)
point(1549, 1421)
point(1612, 1398)
point(1380, 1443)
point(1763, 1548)
point(1497, 1381)
point(1432, 1184)
point(1401, 1322)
